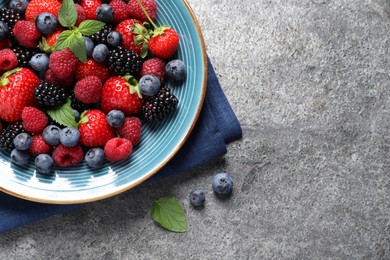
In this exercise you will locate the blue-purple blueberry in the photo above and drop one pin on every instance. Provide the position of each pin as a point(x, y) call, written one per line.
point(149, 85)
point(176, 70)
point(89, 45)
point(44, 163)
point(197, 197)
point(105, 13)
point(46, 22)
point(4, 30)
point(114, 38)
point(100, 52)
point(94, 157)
point(20, 157)
point(69, 136)
point(222, 184)
point(18, 5)
point(51, 134)
point(115, 118)
point(40, 62)
point(22, 141)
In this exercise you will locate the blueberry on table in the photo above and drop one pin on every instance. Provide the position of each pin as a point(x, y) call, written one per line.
point(114, 38)
point(149, 85)
point(46, 23)
point(51, 134)
point(22, 141)
point(39, 62)
point(222, 184)
point(94, 157)
point(197, 197)
point(105, 13)
point(115, 118)
point(69, 136)
point(175, 70)
point(100, 52)
point(20, 157)
point(44, 163)
point(4, 30)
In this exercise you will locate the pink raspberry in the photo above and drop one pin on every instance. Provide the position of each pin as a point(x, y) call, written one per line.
point(154, 66)
point(117, 149)
point(131, 129)
point(34, 120)
point(39, 146)
point(120, 11)
point(5, 43)
point(88, 90)
point(135, 10)
point(52, 79)
point(66, 156)
point(27, 33)
point(8, 59)
point(81, 16)
point(63, 64)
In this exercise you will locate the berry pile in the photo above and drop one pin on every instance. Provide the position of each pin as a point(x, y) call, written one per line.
point(79, 78)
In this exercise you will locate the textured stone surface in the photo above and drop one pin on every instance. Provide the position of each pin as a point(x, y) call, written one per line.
point(310, 83)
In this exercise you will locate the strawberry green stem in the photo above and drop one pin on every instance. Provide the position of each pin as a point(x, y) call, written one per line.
point(4, 79)
point(146, 13)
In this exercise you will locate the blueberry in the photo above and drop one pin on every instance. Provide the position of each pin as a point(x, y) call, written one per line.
point(222, 184)
point(44, 163)
point(149, 85)
point(51, 134)
point(175, 70)
point(4, 30)
point(18, 5)
point(115, 118)
point(89, 45)
point(114, 38)
point(46, 22)
point(76, 115)
point(40, 62)
point(197, 197)
point(20, 157)
point(100, 52)
point(105, 13)
point(22, 141)
point(69, 136)
point(94, 157)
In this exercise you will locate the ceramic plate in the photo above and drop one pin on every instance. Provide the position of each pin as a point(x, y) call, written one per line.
point(159, 143)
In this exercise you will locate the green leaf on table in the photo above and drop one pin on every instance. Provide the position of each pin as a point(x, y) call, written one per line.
point(63, 115)
point(168, 212)
point(67, 14)
point(89, 27)
point(64, 40)
point(78, 47)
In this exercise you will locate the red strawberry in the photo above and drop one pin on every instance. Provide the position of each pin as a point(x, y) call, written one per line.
point(117, 149)
point(53, 37)
point(125, 29)
point(35, 7)
point(90, 7)
point(81, 16)
point(120, 11)
point(135, 10)
point(66, 156)
point(122, 94)
point(16, 92)
point(92, 68)
point(131, 129)
point(88, 90)
point(8, 60)
point(63, 64)
point(27, 33)
point(95, 131)
point(39, 145)
point(164, 43)
point(52, 79)
point(34, 120)
point(154, 66)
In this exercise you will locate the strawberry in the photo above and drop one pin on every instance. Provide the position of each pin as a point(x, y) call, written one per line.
point(164, 43)
point(35, 7)
point(131, 129)
point(121, 93)
point(135, 10)
point(125, 28)
point(120, 11)
point(16, 92)
point(90, 7)
point(47, 43)
point(27, 33)
point(92, 68)
point(94, 129)
point(154, 66)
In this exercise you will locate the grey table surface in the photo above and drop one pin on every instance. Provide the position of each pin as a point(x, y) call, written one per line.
point(310, 83)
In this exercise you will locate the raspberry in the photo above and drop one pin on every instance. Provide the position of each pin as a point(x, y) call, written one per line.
point(8, 59)
point(131, 129)
point(154, 66)
point(38, 145)
point(52, 79)
point(120, 10)
point(65, 156)
point(63, 64)
point(117, 149)
point(34, 120)
point(135, 10)
point(88, 90)
point(92, 68)
point(5, 43)
point(27, 33)
point(81, 16)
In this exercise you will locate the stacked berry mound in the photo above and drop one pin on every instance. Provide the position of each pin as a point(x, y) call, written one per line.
point(79, 78)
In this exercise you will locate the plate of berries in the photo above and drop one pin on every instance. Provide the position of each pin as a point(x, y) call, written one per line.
point(95, 96)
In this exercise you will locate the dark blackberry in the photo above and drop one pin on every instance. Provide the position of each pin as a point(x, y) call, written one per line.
point(24, 55)
point(77, 104)
point(49, 95)
point(159, 106)
point(10, 17)
point(121, 62)
point(8, 134)
point(101, 35)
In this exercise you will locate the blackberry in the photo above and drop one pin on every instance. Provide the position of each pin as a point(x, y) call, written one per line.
point(121, 62)
point(8, 134)
point(24, 55)
point(49, 95)
point(160, 105)
point(10, 17)
point(101, 35)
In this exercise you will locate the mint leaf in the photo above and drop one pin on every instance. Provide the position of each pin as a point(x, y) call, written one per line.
point(64, 40)
point(89, 27)
point(63, 115)
point(67, 14)
point(78, 47)
point(168, 212)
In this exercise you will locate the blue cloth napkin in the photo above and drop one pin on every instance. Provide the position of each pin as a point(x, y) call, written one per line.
point(217, 125)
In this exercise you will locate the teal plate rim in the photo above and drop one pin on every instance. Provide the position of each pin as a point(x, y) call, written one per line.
point(159, 143)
